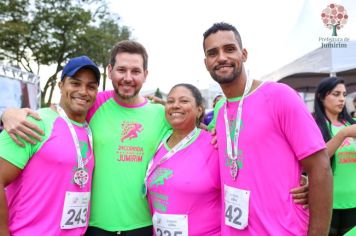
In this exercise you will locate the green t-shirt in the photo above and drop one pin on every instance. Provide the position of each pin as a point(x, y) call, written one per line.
point(217, 107)
point(125, 140)
point(344, 170)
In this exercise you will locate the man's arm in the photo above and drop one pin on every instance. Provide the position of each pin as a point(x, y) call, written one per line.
point(155, 99)
point(317, 166)
point(8, 173)
point(15, 123)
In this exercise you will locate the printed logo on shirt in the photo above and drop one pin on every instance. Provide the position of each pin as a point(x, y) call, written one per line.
point(347, 153)
point(84, 148)
point(160, 201)
point(239, 160)
point(130, 130)
point(232, 126)
point(129, 153)
point(346, 142)
point(159, 176)
point(85, 151)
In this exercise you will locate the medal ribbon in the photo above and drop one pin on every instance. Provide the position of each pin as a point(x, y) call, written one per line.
point(232, 145)
point(168, 155)
point(75, 137)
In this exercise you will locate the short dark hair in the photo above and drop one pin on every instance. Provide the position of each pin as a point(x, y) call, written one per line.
point(129, 46)
point(222, 26)
point(197, 97)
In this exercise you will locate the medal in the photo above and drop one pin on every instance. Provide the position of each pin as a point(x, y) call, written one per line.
point(234, 169)
point(81, 176)
point(232, 145)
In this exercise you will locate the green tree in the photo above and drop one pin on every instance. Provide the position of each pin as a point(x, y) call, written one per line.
point(98, 42)
point(14, 32)
point(49, 32)
point(158, 93)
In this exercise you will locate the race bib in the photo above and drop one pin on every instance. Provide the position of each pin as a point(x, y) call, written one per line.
point(170, 225)
point(236, 207)
point(75, 210)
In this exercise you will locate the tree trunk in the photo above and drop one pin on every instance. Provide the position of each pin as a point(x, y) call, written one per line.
point(104, 79)
point(50, 84)
point(334, 30)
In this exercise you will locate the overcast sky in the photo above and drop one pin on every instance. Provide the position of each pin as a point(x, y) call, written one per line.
point(274, 32)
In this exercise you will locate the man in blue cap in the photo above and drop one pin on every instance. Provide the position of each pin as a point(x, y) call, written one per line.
point(48, 184)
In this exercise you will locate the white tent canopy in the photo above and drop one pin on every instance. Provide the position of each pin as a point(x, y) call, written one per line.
point(305, 73)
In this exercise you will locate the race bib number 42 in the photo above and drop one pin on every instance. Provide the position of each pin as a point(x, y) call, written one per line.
point(170, 224)
point(236, 207)
point(75, 210)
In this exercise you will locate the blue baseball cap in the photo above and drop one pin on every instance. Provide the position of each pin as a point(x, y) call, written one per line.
point(77, 63)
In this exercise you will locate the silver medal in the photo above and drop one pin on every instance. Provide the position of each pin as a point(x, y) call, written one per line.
point(81, 176)
point(233, 169)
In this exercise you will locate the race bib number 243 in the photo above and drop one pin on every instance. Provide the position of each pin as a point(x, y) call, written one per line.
point(75, 210)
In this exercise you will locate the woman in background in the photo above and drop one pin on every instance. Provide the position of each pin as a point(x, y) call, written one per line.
point(339, 131)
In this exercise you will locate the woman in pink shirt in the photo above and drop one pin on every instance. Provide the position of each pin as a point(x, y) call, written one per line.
point(183, 178)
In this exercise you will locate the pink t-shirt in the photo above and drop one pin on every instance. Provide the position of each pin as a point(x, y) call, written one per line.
point(36, 198)
point(277, 131)
point(188, 183)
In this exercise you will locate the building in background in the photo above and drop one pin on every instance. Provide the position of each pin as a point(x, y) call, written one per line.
point(18, 88)
point(209, 94)
point(305, 73)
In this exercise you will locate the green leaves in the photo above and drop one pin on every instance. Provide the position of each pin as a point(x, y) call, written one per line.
point(47, 32)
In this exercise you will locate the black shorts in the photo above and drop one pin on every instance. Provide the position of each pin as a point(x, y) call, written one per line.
point(145, 231)
point(342, 221)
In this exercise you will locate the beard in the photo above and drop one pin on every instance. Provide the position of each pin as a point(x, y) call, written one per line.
point(227, 78)
point(126, 97)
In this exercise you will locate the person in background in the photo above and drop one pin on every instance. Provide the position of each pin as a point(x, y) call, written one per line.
point(339, 131)
point(209, 116)
point(45, 188)
point(262, 157)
